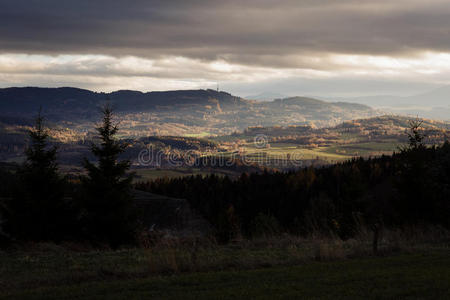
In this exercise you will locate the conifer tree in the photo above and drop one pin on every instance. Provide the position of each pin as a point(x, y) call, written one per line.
point(414, 175)
point(38, 210)
point(109, 215)
point(415, 136)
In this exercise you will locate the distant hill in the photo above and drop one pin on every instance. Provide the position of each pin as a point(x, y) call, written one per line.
point(435, 98)
point(183, 112)
point(311, 103)
point(376, 126)
point(399, 122)
point(266, 96)
point(77, 102)
point(434, 104)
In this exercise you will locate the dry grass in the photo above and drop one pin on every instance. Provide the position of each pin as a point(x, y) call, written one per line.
point(166, 254)
point(175, 255)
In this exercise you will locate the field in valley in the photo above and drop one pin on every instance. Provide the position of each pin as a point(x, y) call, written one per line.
point(329, 154)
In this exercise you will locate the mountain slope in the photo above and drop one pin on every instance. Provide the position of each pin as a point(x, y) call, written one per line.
point(66, 99)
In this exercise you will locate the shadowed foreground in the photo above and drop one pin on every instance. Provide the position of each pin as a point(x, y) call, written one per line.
point(406, 276)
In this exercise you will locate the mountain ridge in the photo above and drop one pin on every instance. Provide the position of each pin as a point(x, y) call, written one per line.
point(179, 112)
point(27, 94)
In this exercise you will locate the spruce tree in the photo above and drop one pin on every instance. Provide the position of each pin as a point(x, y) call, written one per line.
point(415, 137)
point(109, 215)
point(414, 175)
point(37, 210)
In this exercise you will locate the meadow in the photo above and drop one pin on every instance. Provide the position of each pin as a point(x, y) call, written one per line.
point(264, 269)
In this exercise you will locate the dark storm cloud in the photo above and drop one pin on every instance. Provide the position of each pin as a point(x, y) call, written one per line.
point(247, 32)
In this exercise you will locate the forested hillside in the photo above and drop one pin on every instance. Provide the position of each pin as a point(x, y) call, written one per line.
point(408, 188)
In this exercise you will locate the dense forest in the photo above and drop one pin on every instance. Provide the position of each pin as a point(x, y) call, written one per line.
point(411, 187)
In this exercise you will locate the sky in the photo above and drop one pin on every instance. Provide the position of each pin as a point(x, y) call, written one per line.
point(302, 47)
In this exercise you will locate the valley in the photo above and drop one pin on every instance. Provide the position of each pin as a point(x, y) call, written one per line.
point(206, 132)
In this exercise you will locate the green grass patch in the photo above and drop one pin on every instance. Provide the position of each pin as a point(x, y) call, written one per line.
point(198, 135)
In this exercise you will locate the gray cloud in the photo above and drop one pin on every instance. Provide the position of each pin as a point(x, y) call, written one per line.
point(333, 88)
point(253, 33)
point(313, 47)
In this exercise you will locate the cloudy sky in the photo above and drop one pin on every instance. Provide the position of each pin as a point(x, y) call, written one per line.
point(303, 47)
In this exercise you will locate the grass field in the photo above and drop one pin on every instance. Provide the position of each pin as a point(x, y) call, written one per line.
point(330, 154)
point(202, 134)
point(424, 275)
point(281, 150)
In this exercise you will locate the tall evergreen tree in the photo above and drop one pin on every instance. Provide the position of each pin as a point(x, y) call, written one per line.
point(109, 215)
point(415, 137)
point(414, 176)
point(38, 210)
